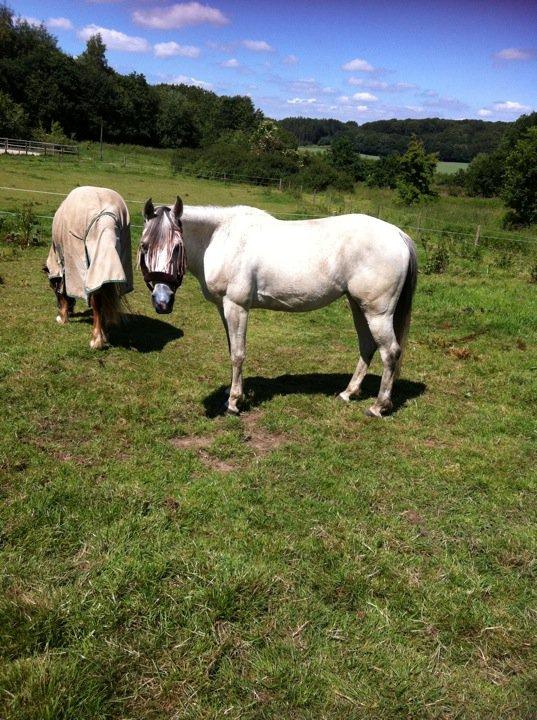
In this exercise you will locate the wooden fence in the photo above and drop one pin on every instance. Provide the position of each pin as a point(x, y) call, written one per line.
point(33, 147)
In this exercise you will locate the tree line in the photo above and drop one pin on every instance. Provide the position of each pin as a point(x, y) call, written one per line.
point(452, 140)
point(41, 86)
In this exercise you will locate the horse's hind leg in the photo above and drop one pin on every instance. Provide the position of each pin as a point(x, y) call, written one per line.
point(98, 337)
point(235, 319)
point(367, 347)
point(381, 327)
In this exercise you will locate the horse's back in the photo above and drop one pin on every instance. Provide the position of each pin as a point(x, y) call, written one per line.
point(76, 236)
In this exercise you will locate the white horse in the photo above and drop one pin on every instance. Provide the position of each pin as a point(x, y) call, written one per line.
point(244, 258)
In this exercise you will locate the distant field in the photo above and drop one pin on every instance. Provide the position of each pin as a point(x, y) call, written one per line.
point(451, 167)
point(442, 167)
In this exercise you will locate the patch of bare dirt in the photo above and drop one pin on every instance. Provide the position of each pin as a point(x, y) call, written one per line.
point(260, 440)
point(195, 442)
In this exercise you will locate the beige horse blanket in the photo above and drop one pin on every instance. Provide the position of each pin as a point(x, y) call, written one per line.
point(91, 242)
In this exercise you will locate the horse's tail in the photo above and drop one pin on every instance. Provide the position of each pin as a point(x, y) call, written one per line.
point(403, 309)
point(112, 303)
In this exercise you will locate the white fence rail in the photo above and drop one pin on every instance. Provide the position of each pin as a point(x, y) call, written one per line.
point(12, 146)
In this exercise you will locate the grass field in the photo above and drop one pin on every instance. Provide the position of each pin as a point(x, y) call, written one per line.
point(301, 561)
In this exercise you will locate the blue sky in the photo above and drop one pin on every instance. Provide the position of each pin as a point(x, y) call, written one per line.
point(348, 60)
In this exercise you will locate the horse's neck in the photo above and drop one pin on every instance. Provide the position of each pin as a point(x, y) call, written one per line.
point(199, 224)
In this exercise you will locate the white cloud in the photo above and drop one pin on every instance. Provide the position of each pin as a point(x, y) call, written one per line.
point(185, 80)
point(179, 15)
point(344, 99)
point(380, 85)
point(257, 46)
point(170, 49)
point(511, 107)
point(484, 112)
point(302, 101)
point(60, 22)
point(30, 20)
point(368, 97)
point(510, 54)
point(114, 39)
point(221, 47)
point(358, 65)
point(369, 84)
point(362, 108)
point(232, 63)
point(290, 60)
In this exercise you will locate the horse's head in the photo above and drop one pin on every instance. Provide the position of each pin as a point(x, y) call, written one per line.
point(161, 254)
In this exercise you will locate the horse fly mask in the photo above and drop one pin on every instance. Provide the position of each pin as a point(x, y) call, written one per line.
point(162, 256)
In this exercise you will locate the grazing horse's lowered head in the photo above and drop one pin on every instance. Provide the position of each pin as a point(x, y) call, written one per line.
point(161, 255)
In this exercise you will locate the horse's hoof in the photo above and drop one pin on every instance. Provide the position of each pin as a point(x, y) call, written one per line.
point(232, 412)
point(373, 412)
point(97, 344)
point(60, 320)
point(343, 398)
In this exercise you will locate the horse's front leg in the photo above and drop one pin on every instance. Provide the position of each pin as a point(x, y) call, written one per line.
point(98, 336)
point(235, 319)
point(64, 303)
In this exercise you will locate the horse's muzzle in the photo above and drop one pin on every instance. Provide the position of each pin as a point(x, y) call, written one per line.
point(162, 298)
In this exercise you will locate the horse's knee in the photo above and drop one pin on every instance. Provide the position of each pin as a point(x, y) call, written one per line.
point(237, 359)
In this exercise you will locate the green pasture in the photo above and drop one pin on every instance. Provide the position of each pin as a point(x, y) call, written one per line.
point(302, 561)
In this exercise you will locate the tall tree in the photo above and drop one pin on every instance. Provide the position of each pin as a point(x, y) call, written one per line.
point(520, 184)
point(97, 96)
point(416, 170)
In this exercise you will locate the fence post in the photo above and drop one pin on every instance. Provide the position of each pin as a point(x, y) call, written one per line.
point(477, 234)
point(280, 184)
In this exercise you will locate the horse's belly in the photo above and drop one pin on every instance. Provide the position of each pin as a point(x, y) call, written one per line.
point(290, 298)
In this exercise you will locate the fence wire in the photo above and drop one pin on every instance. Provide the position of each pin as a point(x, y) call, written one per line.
point(302, 215)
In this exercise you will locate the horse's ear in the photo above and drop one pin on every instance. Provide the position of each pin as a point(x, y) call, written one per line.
point(178, 208)
point(149, 210)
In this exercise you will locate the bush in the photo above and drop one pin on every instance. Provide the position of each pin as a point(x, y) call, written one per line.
point(383, 172)
point(484, 176)
point(56, 135)
point(437, 260)
point(21, 230)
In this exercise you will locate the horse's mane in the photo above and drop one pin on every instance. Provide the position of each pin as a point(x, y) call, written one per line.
point(215, 213)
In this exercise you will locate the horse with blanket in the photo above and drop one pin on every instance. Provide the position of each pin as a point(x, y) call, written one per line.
point(90, 257)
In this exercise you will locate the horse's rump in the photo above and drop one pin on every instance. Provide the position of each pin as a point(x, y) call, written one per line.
point(91, 244)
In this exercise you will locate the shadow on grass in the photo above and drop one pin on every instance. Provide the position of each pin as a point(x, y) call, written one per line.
point(136, 332)
point(144, 334)
point(258, 390)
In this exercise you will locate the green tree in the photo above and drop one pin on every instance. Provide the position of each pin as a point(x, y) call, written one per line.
point(416, 171)
point(97, 91)
point(13, 120)
point(270, 137)
point(520, 185)
point(176, 122)
point(345, 156)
